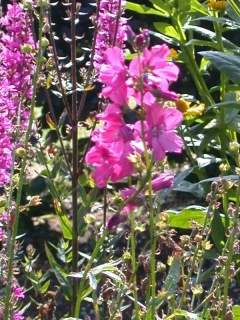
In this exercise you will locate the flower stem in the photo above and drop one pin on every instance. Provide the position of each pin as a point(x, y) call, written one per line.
point(12, 237)
point(74, 156)
point(192, 65)
point(134, 265)
point(96, 251)
point(230, 253)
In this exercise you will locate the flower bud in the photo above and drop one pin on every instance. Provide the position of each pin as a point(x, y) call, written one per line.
point(44, 42)
point(234, 146)
point(142, 40)
point(20, 152)
point(26, 48)
point(224, 167)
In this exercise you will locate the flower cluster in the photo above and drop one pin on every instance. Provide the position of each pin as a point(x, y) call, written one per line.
point(16, 70)
point(139, 92)
point(111, 28)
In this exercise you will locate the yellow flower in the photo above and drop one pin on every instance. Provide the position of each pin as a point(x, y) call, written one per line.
point(194, 112)
point(190, 112)
point(173, 54)
point(217, 4)
point(182, 105)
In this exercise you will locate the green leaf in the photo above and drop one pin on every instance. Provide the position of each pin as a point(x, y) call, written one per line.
point(171, 282)
point(182, 314)
point(236, 312)
point(184, 218)
point(163, 37)
point(161, 5)
point(211, 35)
point(58, 270)
point(196, 6)
point(65, 224)
point(142, 9)
point(166, 29)
point(44, 287)
point(92, 280)
point(225, 62)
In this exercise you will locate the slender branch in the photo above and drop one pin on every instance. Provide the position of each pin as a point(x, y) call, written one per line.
point(57, 68)
point(58, 131)
point(74, 154)
point(90, 68)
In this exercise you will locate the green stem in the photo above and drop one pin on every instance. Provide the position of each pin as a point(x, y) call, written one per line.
point(12, 238)
point(134, 265)
point(192, 64)
point(235, 6)
point(96, 251)
point(194, 259)
point(230, 254)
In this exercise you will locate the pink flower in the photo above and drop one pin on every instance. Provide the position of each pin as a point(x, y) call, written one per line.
point(126, 194)
point(160, 132)
point(4, 218)
point(18, 293)
point(153, 72)
point(113, 75)
point(18, 315)
point(110, 162)
point(2, 234)
point(115, 129)
point(162, 181)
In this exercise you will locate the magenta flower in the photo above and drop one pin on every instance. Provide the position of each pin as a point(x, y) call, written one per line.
point(115, 129)
point(160, 131)
point(2, 234)
point(18, 315)
point(110, 162)
point(162, 181)
point(152, 72)
point(18, 293)
point(126, 194)
point(111, 29)
point(113, 75)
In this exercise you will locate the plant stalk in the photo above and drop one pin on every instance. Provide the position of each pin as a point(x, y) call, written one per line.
point(12, 237)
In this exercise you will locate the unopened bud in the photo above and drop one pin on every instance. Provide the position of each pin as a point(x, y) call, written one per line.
point(20, 152)
point(234, 146)
point(142, 40)
point(44, 42)
point(26, 48)
point(224, 167)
